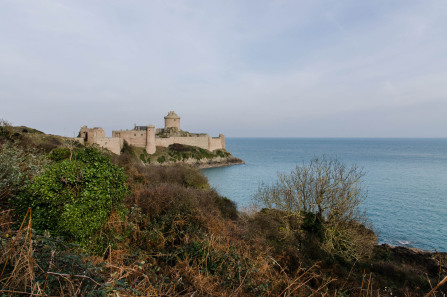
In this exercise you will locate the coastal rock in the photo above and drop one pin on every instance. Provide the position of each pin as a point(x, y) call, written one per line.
point(207, 162)
point(409, 263)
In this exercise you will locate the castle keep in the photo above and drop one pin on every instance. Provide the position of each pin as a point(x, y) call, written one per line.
point(149, 138)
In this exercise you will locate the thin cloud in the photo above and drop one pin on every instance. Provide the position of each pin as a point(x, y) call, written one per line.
point(233, 67)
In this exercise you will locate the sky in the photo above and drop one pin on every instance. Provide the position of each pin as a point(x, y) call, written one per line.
point(253, 68)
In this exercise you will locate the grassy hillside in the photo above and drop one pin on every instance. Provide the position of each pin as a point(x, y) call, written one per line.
point(161, 231)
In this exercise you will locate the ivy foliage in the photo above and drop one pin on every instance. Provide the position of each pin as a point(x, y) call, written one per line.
point(74, 198)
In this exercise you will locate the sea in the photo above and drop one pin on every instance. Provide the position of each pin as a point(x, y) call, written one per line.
point(406, 180)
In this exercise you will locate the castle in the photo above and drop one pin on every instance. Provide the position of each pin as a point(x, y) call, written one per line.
point(149, 138)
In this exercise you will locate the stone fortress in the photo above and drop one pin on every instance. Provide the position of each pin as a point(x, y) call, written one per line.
point(149, 138)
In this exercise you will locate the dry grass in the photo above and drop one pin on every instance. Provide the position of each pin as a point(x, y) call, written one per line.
point(179, 239)
point(18, 264)
point(220, 265)
point(253, 269)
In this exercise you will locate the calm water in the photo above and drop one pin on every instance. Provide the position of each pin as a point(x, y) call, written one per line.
point(406, 180)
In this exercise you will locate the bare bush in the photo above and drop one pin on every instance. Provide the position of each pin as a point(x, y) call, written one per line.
point(330, 192)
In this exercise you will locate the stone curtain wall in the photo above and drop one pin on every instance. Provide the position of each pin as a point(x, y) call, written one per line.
point(113, 144)
point(133, 137)
point(140, 138)
point(202, 141)
point(217, 143)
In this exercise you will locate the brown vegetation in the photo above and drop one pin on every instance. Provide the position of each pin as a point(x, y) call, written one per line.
point(176, 237)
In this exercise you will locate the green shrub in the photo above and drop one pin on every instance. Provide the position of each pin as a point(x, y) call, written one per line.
point(226, 206)
point(74, 198)
point(312, 224)
point(181, 151)
point(59, 154)
point(222, 153)
point(5, 129)
point(193, 178)
point(161, 159)
point(128, 150)
point(144, 157)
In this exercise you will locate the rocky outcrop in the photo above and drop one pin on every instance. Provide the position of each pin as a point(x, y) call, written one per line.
point(408, 267)
point(207, 162)
point(218, 162)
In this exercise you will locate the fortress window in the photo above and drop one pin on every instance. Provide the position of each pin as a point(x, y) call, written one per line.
point(135, 134)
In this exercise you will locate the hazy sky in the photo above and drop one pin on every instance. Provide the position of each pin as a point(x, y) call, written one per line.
point(341, 68)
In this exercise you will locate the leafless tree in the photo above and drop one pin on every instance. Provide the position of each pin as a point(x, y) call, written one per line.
point(326, 188)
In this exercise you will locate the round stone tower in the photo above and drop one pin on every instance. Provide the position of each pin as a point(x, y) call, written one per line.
point(172, 120)
point(150, 140)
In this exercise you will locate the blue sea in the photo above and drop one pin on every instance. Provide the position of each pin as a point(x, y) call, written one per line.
point(406, 180)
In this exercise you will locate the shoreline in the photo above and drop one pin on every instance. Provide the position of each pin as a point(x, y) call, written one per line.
point(412, 249)
point(204, 163)
point(220, 164)
point(414, 257)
